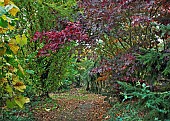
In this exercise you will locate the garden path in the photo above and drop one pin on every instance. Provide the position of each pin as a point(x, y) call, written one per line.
point(74, 105)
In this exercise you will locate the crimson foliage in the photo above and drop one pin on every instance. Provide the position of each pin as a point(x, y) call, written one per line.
point(54, 40)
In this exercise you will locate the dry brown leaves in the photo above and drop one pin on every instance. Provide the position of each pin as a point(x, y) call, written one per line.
point(74, 106)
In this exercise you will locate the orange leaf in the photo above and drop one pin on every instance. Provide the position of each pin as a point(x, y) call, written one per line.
point(6, 2)
point(13, 47)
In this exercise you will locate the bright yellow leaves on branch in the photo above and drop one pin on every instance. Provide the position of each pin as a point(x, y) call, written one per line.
point(18, 85)
point(13, 46)
point(18, 99)
point(14, 10)
point(21, 40)
point(6, 23)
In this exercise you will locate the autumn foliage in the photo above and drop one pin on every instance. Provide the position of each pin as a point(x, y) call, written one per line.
point(54, 40)
point(118, 48)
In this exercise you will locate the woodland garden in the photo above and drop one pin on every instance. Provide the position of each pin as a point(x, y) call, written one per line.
point(84, 60)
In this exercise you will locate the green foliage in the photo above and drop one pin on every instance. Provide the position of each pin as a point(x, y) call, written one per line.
point(126, 112)
point(53, 72)
point(27, 113)
point(58, 70)
point(11, 72)
point(66, 8)
point(152, 58)
point(42, 15)
point(14, 115)
point(61, 72)
point(166, 71)
point(154, 101)
point(84, 68)
point(45, 14)
point(154, 63)
point(163, 28)
point(8, 12)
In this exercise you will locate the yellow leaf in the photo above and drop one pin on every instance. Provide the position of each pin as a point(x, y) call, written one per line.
point(4, 17)
point(15, 80)
point(20, 101)
point(39, 1)
point(13, 41)
point(11, 68)
point(21, 69)
point(14, 11)
point(24, 39)
point(21, 40)
point(18, 85)
point(3, 30)
point(18, 37)
point(27, 100)
point(47, 109)
point(11, 27)
point(13, 46)
point(1, 3)
point(9, 89)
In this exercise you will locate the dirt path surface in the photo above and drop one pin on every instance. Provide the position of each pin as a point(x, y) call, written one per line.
point(75, 105)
